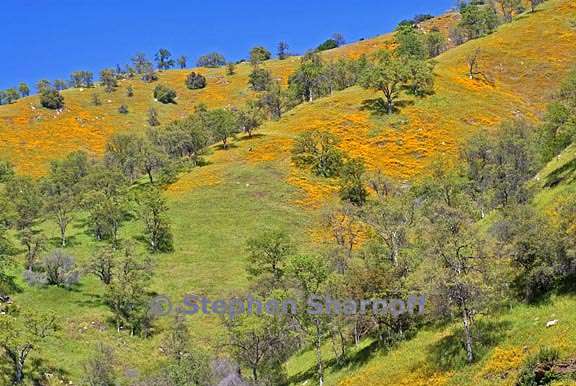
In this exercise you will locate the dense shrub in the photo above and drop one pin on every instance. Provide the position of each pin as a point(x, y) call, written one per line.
point(327, 45)
point(164, 94)
point(318, 150)
point(195, 81)
point(51, 99)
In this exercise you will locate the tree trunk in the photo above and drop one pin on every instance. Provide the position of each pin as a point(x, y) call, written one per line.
point(318, 343)
point(255, 374)
point(468, 334)
point(149, 171)
point(63, 234)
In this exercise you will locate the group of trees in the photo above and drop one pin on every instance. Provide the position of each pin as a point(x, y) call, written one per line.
point(480, 18)
point(423, 238)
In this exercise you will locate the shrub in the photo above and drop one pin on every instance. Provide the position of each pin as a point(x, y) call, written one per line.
point(56, 269)
point(327, 45)
point(51, 99)
point(123, 109)
point(96, 100)
point(195, 81)
point(164, 94)
point(352, 187)
point(259, 54)
point(537, 369)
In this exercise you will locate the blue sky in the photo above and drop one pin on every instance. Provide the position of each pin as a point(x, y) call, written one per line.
point(48, 39)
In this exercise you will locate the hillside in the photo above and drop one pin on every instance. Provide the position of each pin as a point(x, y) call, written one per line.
point(215, 208)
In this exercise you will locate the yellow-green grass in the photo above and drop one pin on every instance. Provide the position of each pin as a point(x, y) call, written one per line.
point(421, 360)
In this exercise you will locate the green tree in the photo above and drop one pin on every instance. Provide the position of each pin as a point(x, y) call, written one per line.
point(182, 61)
point(51, 99)
point(259, 54)
point(222, 124)
point(108, 79)
point(388, 74)
point(318, 149)
point(271, 100)
point(24, 90)
point(122, 153)
point(151, 159)
point(410, 42)
point(213, 59)
point(127, 294)
point(25, 196)
point(163, 59)
point(327, 45)
point(34, 242)
point(267, 260)
point(152, 211)
point(20, 336)
point(308, 82)
point(164, 94)
point(282, 50)
point(260, 79)
point(250, 117)
point(352, 187)
point(435, 43)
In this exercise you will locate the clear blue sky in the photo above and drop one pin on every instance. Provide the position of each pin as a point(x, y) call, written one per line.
point(48, 39)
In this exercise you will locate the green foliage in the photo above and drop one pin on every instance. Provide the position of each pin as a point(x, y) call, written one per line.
point(163, 59)
point(6, 171)
point(222, 124)
point(127, 294)
point(24, 196)
point(410, 42)
point(268, 254)
point(559, 128)
point(19, 336)
point(213, 59)
point(536, 370)
point(352, 187)
point(282, 50)
point(182, 61)
point(153, 120)
point(318, 150)
point(164, 94)
point(259, 54)
point(51, 99)
point(477, 21)
point(327, 45)
point(435, 43)
point(81, 79)
point(195, 81)
point(24, 90)
point(260, 79)
point(388, 74)
point(230, 69)
point(307, 82)
point(108, 79)
point(152, 211)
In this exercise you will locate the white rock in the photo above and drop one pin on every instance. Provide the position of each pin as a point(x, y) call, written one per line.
point(552, 323)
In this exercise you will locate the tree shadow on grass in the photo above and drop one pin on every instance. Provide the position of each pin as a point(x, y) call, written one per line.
point(225, 148)
point(379, 107)
point(248, 138)
point(351, 362)
point(450, 354)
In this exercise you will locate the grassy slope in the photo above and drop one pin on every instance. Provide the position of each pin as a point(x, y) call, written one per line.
point(253, 186)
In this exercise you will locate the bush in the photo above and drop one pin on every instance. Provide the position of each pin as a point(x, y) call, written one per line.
point(51, 99)
point(56, 269)
point(352, 187)
point(195, 81)
point(327, 45)
point(259, 54)
point(537, 369)
point(164, 94)
point(123, 109)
